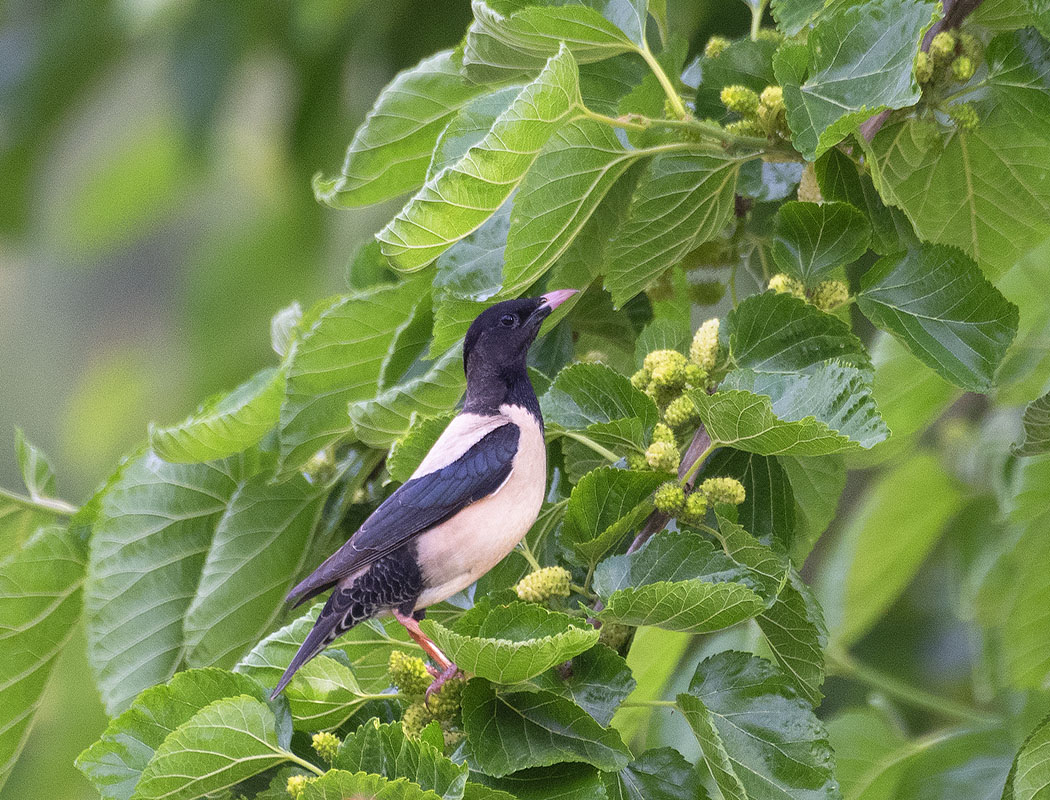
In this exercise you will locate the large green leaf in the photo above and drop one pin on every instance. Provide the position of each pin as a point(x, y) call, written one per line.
point(509, 731)
point(461, 197)
point(809, 416)
point(760, 740)
point(1030, 776)
point(337, 784)
point(560, 782)
point(658, 774)
point(682, 200)
point(584, 394)
point(797, 636)
point(811, 240)
point(772, 332)
point(383, 749)
point(39, 606)
point(970, 191)
point(219, 746)
point(1036, 423)
point(860, 63)
point(339, 358)
point(605, 505)
point(189, 563)
point(597, 680)
point(115, 762)
point(816, 484)
point(391, 150)
point(940, 306)
point(226, 425)
point(511, 643)
point(677, 581)
point(561, 190)
point(469, 127)
point(869, 568)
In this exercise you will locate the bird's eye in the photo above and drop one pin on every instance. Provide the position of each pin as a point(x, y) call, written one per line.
point(508, 320)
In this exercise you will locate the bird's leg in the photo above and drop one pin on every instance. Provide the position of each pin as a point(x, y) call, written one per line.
point(447, 668)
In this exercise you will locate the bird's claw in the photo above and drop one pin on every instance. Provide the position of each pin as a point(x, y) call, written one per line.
point(451, 671)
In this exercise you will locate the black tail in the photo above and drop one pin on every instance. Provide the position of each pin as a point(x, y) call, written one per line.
point(339, 615)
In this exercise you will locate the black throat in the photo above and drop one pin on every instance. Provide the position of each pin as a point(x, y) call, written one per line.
point(489, 387)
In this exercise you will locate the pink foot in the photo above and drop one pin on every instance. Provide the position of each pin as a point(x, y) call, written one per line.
point(451, 671)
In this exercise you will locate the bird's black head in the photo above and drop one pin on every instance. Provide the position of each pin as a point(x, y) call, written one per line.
point(498, 341)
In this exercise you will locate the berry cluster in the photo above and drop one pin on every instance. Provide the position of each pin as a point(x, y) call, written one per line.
point(543, 584)
point(409, 674)
point(614, 635)
point(326, 745)
point(691, 508)
point(826, 295)
point(761, 114)
point(297, 785)
point(952, 58)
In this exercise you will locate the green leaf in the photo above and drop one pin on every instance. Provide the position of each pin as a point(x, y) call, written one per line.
point(597, 680)
point(391, 150)
point(381, 420)
point(511, 643)
point(759, 739)
point(860, 63)
point(658, 774)
point(224, 425)
point(817, 484)
point(559, 782)
point(338, 359)
point(1030, 776)
point(219, 746)
point(37, 475)
point(841, 180)
point(116, 761)
point(469, 126)
point(940, 306)
point(585, 394)
point(560, 192)
point(605, 505)
point(682, 200)
point(337, 784)
point(461, 197)
point(409, 451)
point(969, 191)
point(366, 648)
point(1036, 423)
point(509, 731)
point(870, 753)
point(813, 239)
point(797, 636)
point(794, 15)
point(768, 567)
point(868, 568)
point(749, 421)
point(39, 607)
point(772, 332)
point(679, 582)
point(284, 328)
point(383, 749)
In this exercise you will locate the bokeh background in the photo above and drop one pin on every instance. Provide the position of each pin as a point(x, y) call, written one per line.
point(156, 211)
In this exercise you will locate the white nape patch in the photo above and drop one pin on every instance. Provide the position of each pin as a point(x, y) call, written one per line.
point(456, 553)
point(462, 433)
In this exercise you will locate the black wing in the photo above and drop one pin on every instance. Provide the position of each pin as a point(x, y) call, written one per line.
point(418, 505)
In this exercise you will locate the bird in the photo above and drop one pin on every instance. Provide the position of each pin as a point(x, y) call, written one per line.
point(468, 504)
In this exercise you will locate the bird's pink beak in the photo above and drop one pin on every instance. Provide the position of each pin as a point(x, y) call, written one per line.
point(554, 299)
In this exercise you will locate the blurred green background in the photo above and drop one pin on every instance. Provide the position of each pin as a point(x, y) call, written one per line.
point(156, 210)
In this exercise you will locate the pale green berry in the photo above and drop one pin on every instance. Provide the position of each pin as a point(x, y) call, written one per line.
point(769, 35)
point(669, 498)
point(828, 295)
point(543, 584)
point(681, 412)
point(963, 68)
point(663, 433)
point(408, 673)
point(614, 635)
point(637, 461)
point(723, 490)
point(942, 48)
point(297, 785)
point(695, 378)
point(326, 745)
point(965, 116)
point(782, 283)
point(452, 738)
point(923, 67)
point(416, 717)
point(663, 456)
point(641, 379)
point(715, 46)
point(971, 47)
point(445, 702)
point(772, 97)
point(741, 99)
point(694, 510)
point(703, 351)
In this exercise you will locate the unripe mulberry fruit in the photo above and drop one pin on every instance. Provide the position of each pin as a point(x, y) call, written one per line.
point(637, 461)
point(772, 97)
point(326, 745)
point(963, 68)
point(670, 375)
point(614, 635)
point(452, 738)
point(965, 116)
point(740, 99)
point(723, 490)
point(408, 673)
point(923, 67)
point(663, 456)
point(297, 785)
point(704, 348)
point(694, 510)
point(641, 379)
point(782, 283)
point(829, 295)
point(808, 188)
point(663, 433)
point(695, 378)
point(681, 412)
point(445, 703)
point(543, 584)
point(667, 360)
point(415, 718)
point(669, 498)
point(971, 47)
point(942, 48)
point(715, 46)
